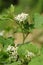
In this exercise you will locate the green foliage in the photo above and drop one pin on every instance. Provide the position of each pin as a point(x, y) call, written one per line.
point(8, 23)
point(41, 50)
point(38, 21)
point(11, 9)
point(5, 42)
point(22, 49)
point(30, 6)
point(9, 41)
point(2, 40)
point(28, 2)
point(6, 19)
point(37, 61)
point(15, 63)
point(3, 57)
point(28, 27)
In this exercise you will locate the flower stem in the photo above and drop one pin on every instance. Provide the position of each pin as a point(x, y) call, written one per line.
point(23, 37)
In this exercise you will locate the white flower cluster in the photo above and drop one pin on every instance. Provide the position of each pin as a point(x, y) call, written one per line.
point(30, 54)
point(21, 17)
point(12, 51)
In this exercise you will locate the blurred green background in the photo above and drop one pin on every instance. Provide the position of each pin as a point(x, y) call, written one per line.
point(23, 5)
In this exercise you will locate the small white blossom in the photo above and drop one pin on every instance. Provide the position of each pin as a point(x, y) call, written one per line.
point(9, 48)
point(30, 54)
point(12, 48)
point(12, 51)
point(21, 17)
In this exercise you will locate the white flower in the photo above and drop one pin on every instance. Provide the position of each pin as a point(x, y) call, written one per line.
point(9, 48)
point(31, 54)
point(1, 33)
point(21, 17)
point(12, 50)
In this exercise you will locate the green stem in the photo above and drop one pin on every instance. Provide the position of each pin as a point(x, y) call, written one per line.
point(23, 37)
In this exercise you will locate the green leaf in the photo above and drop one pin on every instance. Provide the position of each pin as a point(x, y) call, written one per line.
point(11, 8)
point(8, 41)
point(7, 19)
point(3, 57)
point(5, 42)
point(22, 49)
point(37, 61)
point(6, 23)
point(2, 40)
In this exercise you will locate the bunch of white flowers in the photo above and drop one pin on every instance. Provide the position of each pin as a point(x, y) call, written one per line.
point(10, 48)
point(21, 17)
point(30, 54)
point(12, 51)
